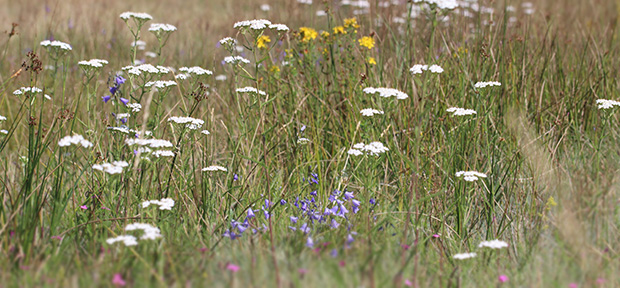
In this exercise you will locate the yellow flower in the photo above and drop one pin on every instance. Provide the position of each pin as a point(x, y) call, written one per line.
point(260, 42)
point(371, 61)
point(339, 30)
point(274, 69)
point(351, 22)
point(307, 34)
point(324, 34)
point(367, 42)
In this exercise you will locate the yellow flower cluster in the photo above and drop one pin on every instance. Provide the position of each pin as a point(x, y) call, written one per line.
point(351, 22)
point(307, 34)
point(262, 41)
point(367, 42)
point(339, 30)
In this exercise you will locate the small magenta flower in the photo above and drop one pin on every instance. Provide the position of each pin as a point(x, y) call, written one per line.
point(408, 283)
point(118, 280)
point(502, 278)
point(232, 267)
point(57, 237)
point(435, 235)
point(573, 285)
point(84, 207)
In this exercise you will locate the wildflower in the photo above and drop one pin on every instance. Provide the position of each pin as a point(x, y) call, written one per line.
point(307, 34)
point(262, 40)
point(265, 7)
point(435, 69)
point(145, 68)
point(196, 70)
point(279, 27)
point(56, 45)
point(303, 141)
point(493, 244)
point(164, 204)
point(408, 283)
point(351, 23)
point(29, 91)
point(309, 242)
point(2, 118)
point(74, 140)
point(118, 280)
point(369, 112)
point(307, 2)
point(84, 207)
point(250, 213)
point(367, 42)
point(355, 152)
point(153, 143)
point(419, 69)
point(115, 167)
point(150, 232)
point(502, 278)
point(214, 168)
point(128, 240)
point(602, 103)
point(460, 111)
point(135, 107)
point(221, 77)
point(190, 123)
point(386, 92)
point(160, 84)
point(463, 256)
point(163, 153)
point(371, 61)
point(236, 60)
point(259, 24)
point(485, 84)
point(93, 63)
point(441, 4)
point(140, 45)
point(161, 28)
point(150, 54)
point(227, 41)
point(251, 90)
point(137, 16)
point(339, 30)
point(470, 176)
point(232, 267)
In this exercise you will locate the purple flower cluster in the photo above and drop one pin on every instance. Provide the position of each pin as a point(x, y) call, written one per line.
point(118, 80)
point(237, 228)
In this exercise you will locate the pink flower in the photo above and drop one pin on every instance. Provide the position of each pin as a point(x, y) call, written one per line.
point(405, 246)
point(232, 267)
point(600, 281)
point(502, 278)
point(84, 207)
point(302, 271)
point(341, 263)
point(57, 237)
point(408, 283)
point(573, 285)
point(105, 208)
point(118, 280)
point(435, 235)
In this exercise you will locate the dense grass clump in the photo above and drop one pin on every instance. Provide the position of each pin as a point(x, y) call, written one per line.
point(341, 143)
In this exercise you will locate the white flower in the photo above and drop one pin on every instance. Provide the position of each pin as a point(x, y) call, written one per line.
point(140, 44)
point(128, 240)
point(4, 131)
point(93, 63)
point(191, 123)
point(308, 2)
point(228, 41)
point(373, 148)
point(606, 104)
point(2, 118)
point(135, 107)
point(221, 77)
point(419, 69)
point(74, 140)
point(196, 70)
point(236, 60)
point(158, 27)
point(160, 84)
point(164, 204)
point(56, 44)
point(279, 27)
point(153, 143)
point(485, 84)
point(150, 232)
point(461, 111)
point(121, 116)
point(257, 24)
point(470, 176)
point(150, 54)
point(27, 90)
point(214, 168)
point(205, 132)
point(251, 90)
point(182, 76)
point(265, 7)
point(493, 244)
point(115, 167)
point(435, 69)
point(463, 256)
point(355, 152)
point(146, 68)
point(369, 112)
point(163, 153)
point(302, 141)
point(441, 4)
point(140, 16)
point(386, 92)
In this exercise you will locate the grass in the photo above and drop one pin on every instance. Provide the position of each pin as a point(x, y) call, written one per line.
point(549, 154)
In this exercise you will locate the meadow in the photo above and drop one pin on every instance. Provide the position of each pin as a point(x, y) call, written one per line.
point(300, 143)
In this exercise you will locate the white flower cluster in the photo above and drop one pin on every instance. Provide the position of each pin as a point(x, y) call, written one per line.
point(29, 90)
point(303, 141)
point(493, 244)
point(121, 116)
point(140, 16)
point(146, 68)
point(128, 240)
point(163, 153)
point(153, 143)
point(161, 84)
point(135, 107)
point(373, 148)
point(470, 176)
point(164, 204)
point(191, 123)
point(279, 27)
point(307, 2)
point(205, 132)
point(2, 118)
point(257, 24)
point(236, 60)
point(606, 104)
point(463, 256)
point(386, 92)
point(228, 41)
point(126, 130)
point(158, 27)
point(196, 70)
point(485, 84)
point(115, 167)
point(94, 63)
point(460, 111)
point(140, 44)
point(441, 4)
point(214, 168)
point(251, 90)
point(74, 140)
point(369, 112)
point(56, 44)
point(150, 232)
point(419, 69)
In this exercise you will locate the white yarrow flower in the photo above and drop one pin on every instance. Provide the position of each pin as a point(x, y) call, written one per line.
point(115, 167)
point(470, 176)
point(93, 63)
point(493, 244)
point(128, 240)
point(158, 27)
point(463, 256)
point(191, 123)
point(461, 111)
point(419, 69)
point(196, 70)
point(369, 112)
point(485, 84)
point(56, 44)
point(386, 92)
point(251, 90)
point(74, 140)
point(214, 168)
point(441, 4)
point(606, 104)
point(236, 60)
point(139, 16)
point(164, 204)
